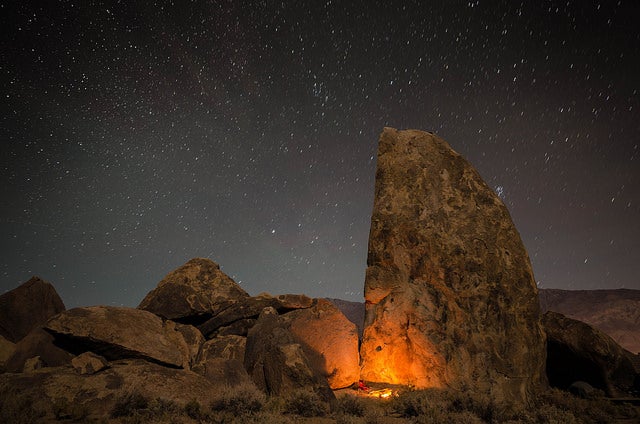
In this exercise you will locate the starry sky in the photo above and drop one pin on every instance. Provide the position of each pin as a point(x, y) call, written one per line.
point(138, 135)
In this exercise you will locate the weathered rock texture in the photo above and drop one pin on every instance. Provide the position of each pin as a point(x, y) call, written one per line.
point(330, 341)
point(578, 352)
point(119, 333)
point(89, 363)
point(221, 360)
point(64, 390)
point(451, 299)
point(6, 350)
point(37, 343)
point(277, 363)
point(26, 307)
point(238, 319)
point(193, 293)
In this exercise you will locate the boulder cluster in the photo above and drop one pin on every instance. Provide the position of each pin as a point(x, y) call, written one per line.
point(198, 329)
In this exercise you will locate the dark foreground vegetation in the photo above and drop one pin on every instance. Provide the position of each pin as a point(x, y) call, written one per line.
point(246, 404)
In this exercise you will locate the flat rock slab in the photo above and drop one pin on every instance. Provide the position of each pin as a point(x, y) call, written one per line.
point(118, 333)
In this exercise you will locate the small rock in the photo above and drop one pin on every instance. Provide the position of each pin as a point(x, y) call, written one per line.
point(32, 364)
point(89, 363)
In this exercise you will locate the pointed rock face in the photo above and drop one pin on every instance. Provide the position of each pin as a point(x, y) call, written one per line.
point(193, 293)
point(26, 307)
point(450, 295)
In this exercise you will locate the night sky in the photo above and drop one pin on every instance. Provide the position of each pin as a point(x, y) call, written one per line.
point(138, 135)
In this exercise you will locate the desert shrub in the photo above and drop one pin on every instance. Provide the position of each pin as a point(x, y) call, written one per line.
point(128, 405)
point(480, 405)
point(348, 405)
point(551, 414)
point(430, 403)
point(373, 417)
point(305, 404)
point(63, 409)
point(348, 419)
point(18, 408)
point(465, 417)
point(193, 409)
point(240, 400)
point(160, 407)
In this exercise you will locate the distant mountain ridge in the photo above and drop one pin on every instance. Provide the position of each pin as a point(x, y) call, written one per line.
point(615, 312)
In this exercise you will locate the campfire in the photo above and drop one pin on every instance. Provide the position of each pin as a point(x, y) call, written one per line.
point(383, 393)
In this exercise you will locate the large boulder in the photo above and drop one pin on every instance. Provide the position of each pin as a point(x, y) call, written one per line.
point(614, 312)
point(277, 363)
point(330, 341)
point(51, 394)
point(244, 311)
point(193, 293)
point(577, 351)
point(118, 333)
point(222, 360)
point(26, 307)
point(450, 295)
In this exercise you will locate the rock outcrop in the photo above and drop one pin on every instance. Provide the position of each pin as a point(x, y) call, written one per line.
point(237, 320)
point(614, 312)
point(26, 307)
point(450, 295)
point(221, 360)
point(121, 333)
point(37, 343)
point(193, 293)
point(7, 349)
point(578, 352)
point(277, 363)
point(330, 341)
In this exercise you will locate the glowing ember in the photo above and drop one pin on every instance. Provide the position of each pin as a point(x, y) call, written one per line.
point(382, 393)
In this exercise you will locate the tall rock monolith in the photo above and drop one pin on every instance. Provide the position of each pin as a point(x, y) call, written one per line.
point(450, 297)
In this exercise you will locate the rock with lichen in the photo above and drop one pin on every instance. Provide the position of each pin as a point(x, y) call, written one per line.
point(450, 295)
